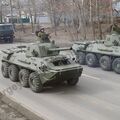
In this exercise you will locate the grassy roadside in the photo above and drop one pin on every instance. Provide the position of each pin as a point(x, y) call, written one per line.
point(11, 110)
point(9, 113)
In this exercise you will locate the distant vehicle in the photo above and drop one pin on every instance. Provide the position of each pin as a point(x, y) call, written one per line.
point(38, 65)
point(103, 53)
point(6, 33)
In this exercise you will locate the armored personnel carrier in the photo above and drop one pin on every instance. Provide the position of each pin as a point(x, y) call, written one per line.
point(103, 53)
point(38, 65)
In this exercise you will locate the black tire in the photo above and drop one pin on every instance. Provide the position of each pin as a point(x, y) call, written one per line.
point(24, 77)
point(81, 58)
point(73, 81)
point(116, 65)
point(4, 69)
point(91, 60)
point(13, 72)
point(35, 83)
point(106, 63)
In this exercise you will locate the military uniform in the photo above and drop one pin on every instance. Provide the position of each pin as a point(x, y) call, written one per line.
point(115, 29)
point(43, 37)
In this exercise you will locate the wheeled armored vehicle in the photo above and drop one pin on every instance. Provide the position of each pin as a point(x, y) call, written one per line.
point(103, 53)
point(6, 33)
point(39, 65)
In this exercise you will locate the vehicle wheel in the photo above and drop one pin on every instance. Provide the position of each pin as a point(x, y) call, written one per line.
point(91, 60)
point(81, 58)
point(73, 81)
point(13, 73)
point(116, 65)
point(106, 63)
point(24, 77)
point(4, 69)
point(35, 83)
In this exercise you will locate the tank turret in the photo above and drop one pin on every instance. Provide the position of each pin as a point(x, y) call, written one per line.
point(42, 50)
point(112, 40)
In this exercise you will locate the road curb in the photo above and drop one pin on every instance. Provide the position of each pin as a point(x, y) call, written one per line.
point(20, 108)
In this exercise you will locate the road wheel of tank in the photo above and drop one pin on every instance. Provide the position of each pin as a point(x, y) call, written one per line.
point(91, 60)
point(116, 65)
point(4, 69)
point(106, 63)
point(73, 81)
point(13, 72)
point(24, 77)
point(81, 58)
point(35, 83)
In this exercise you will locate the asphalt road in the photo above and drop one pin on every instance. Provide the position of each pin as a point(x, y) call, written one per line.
point(96, 97)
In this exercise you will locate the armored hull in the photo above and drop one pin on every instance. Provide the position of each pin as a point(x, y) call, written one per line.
point(103, 53)
point(38, 65)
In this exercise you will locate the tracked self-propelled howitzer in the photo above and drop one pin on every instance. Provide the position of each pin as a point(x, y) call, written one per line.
point(103, 53)
point(39, 65)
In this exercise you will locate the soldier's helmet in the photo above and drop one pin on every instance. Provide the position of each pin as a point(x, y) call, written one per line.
point(37, 33)
point(42, 30)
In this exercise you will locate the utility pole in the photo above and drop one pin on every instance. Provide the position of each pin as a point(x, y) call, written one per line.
point(11, 10)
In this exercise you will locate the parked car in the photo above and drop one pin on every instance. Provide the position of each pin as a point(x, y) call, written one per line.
point(6, 33)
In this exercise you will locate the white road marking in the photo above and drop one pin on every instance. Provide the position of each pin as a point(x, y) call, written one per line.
point(89, 76)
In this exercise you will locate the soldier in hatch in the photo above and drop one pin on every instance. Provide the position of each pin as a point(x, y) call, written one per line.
point(115, 28)
point(43, 37)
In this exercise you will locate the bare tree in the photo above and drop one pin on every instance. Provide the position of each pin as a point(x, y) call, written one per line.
point(98, 16)
point(55, 12)
point(1, 12)
point(30, 13)
point(20, 16)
